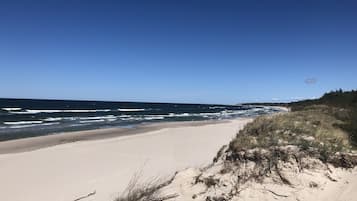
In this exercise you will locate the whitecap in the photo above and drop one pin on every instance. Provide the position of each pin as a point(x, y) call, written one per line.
point(48, 124)
point(98, 117)
point(29, 111)
point(79, 111)
point(91, 121)
point(124, 116)
point(132, 119)
point(154, 118)
point(70, 118)
point(22, 126)
point(180, 115)
point(22, 122)
point(217, 107)
point(131, 109)
point(32, 125)
point(11, 108)
point(53, 119)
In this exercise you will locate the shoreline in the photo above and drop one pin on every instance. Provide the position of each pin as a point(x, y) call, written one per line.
point(39, 142)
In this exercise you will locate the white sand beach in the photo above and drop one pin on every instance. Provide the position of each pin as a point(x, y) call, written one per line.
point(66, 172)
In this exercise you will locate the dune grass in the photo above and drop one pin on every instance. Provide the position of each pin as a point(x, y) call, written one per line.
point(311, 131)
point(138, 190)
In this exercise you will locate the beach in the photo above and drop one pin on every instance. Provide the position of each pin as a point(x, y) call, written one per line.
point(101, 162)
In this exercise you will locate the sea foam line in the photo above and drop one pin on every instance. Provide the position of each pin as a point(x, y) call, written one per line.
point(22, 122)
point(53, 119)
point(11, 108)
point(131, 109)
point(98, 117)
point(32, 125)
point(91, 121)
point(29, 111)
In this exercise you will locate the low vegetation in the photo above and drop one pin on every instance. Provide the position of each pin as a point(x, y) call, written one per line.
point(145, 191)
point(342, 105)
point(312, 132)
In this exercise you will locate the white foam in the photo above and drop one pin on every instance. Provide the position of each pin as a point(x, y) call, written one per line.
point(70, 118)
point(225, 113)
point(42, 111)
point(48, 124)
point(22, 112)
point(217, 107)
point(154, 118)
point(28, 111)
point(99, 117)
point(132, 119)
point(91, 121)
point(131, 109)
point(124, 116)
point(171, 114)
point(32, 125)
point(179, 115)
point(11, 108)
point(22, 126)
point(22, 122)
point(53, 119)
point(184, 115)
point(209, 114)
point(79, 111)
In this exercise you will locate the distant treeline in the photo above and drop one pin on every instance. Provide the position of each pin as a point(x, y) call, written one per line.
point(338, 98)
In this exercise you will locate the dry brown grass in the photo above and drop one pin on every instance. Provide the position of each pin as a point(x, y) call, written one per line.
point(310, 130)
point(145, 191)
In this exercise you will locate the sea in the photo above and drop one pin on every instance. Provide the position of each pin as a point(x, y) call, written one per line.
point(22, 118)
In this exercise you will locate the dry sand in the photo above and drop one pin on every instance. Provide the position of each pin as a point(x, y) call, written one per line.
point(320, 184)
point(68, 171)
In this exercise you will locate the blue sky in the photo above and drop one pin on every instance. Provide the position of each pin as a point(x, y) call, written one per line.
point(198, 51)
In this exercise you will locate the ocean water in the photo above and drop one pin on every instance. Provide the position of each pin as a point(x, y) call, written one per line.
point(21, 118)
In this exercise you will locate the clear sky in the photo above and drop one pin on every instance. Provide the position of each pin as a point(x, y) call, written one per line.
point(197, 51)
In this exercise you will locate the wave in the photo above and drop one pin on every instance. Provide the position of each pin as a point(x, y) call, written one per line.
point(179, 115)
point(11, 108)
point(49, 124)
point(132, 119)
point(32, 125)
point(98, 117)
point(131, 109)
point(22, 122)
point(124, 116)
point(53, 119)
point(22, 126)
point(154, 118)
point(217, 107)
point(110, 118)
point(107, 118)
point(29, 111)
point(91, 121)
